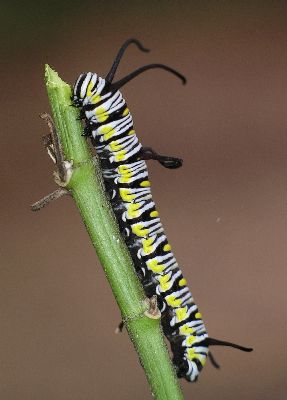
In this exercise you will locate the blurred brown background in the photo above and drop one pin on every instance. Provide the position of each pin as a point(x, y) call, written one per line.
point(224, 211)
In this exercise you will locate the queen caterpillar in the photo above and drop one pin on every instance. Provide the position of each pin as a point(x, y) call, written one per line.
point(109, 124)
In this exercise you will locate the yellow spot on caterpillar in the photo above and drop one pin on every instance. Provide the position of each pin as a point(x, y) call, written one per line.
point(124, 170)
point(126, 111)
point(89, 89)
point(102, 118)
point(132, 132)
point(147, 244)
point(202, 359)
point(125, 173)
point(182, 282)
point(100, 110)
point(107, 131)
point(95, 99)
point(145, 184)
point(164, 282)
point(120, 155)
point(154, 266)
point(126, 195)
point(133, 210)
point(167, 247)
point(198, 315)
point(174, 302)
point(181, 314)
point(186, 330)
point(154, 214)
point(191, 355)
point(190, 340)
point(115, 146)
point(101, 114)
point(139, 230)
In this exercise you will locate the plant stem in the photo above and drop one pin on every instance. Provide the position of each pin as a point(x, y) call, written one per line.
point(87, 189)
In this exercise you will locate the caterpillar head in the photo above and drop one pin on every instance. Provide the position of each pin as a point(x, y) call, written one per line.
point(87, 89)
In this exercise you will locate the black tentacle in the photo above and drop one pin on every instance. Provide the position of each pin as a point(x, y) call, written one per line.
point(117, 85)
point(214, 363)
point(112, 71)
point(216, 342)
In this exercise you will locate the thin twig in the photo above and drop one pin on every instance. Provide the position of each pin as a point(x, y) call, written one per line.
point(54, 146)
point(60, 192)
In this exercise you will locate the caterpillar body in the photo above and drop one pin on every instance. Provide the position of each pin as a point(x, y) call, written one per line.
point(109, 124)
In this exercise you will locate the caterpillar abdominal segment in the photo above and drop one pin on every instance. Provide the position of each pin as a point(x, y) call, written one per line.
point(109, 124)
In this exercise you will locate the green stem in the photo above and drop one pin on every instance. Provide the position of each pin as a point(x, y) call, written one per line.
point(87, 189)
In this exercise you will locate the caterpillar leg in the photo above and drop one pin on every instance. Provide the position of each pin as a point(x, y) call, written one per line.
point(147, 153)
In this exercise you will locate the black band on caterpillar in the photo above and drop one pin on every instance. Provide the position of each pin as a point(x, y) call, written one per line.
point(110, 126)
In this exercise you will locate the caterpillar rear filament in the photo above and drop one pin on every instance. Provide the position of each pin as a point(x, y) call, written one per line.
point(109, 124)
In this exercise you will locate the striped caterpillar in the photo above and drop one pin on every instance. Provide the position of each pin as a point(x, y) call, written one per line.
point(109, 124)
